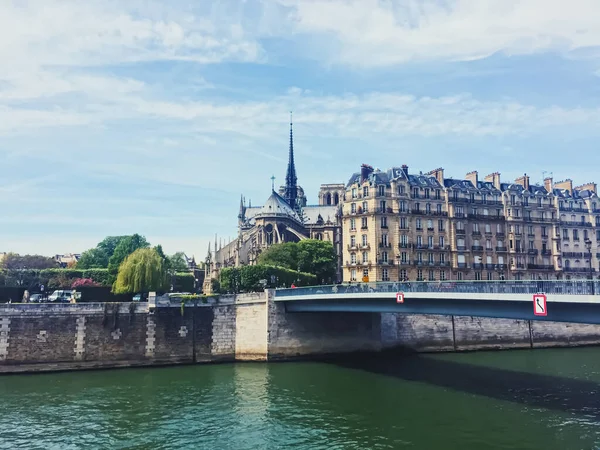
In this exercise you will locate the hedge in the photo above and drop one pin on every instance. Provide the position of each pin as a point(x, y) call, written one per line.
point(248, 278)
point(62, 278)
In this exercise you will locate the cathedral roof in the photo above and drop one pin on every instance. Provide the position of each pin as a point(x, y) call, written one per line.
point(277, 206)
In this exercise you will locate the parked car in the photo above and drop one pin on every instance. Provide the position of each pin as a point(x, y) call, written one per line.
point(35, 298)
point(60, 296)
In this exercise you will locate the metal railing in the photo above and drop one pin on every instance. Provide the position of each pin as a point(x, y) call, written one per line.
point(569, 287)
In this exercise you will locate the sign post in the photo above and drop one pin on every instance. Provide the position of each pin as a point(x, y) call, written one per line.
point(539, 305)
point(399, 297)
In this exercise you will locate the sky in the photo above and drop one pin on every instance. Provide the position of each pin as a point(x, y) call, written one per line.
point(153, 117)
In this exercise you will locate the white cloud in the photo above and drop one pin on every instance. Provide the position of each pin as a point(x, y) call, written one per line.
point(384, 32)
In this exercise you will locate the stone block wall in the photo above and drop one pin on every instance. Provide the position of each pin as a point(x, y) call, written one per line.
point(223, 333)
point(251, 331)
point(557, 334)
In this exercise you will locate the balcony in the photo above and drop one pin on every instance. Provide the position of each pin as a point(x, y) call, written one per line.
point(416, 262)
point(463, 232)
point(385, 245)
point(476, 233)
point(403, 245)
point(532, 251)
point(572, 209)
point(384, 262)
point(540, 266)
point(387, 210)
point(572, 254)
point(417, 211)
point(500, 234)
point(462, 265)
point(490, 266)
point(579, 269)
point(576, 223)
point(365, 246)
point(501, 249)
point(461, 248)
point(477, 266)
point(477, 248)
point(517, 266)
point(352, 248)
point(546, 252)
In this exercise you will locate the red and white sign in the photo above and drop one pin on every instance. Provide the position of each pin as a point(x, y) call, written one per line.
point(539, 305)
point(399, 297)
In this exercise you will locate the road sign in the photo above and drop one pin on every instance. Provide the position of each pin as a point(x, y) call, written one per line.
point(539, 305)
point(399, 297)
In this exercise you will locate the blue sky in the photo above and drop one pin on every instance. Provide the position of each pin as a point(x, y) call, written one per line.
point(153, 117)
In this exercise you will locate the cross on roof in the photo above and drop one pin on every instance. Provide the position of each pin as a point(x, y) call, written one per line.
point(273, 183)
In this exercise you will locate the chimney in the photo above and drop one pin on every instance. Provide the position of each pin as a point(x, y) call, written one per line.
point(493, 178)
point(438, 174)
point(565, 184)
point(523, 181)
point(405, 168)
point(365, 171)
point(548, 184)
point(472, 177)
point(588, 187)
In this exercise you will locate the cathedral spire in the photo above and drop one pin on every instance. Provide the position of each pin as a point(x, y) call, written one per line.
point(291, 181)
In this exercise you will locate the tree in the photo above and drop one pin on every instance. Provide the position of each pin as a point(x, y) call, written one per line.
point(84, 282)
point(124, 248)
point(141, 271)
point(178, 263)
point(13, 261)
point(98, 257)
point(308, 256)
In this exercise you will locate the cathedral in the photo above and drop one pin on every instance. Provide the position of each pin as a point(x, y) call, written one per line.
point(285, 216)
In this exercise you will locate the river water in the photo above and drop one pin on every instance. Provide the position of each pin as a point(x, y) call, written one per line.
point(542, 399)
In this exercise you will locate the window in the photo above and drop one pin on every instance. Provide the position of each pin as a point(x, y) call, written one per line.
point(490, 276)
point(402, 206)
point(403, 223)
point(384, 257)
point(460, 226)
point(488, 244)
point(365, 207)
point(499, 228)
point(428, 208)
point(416, 192)
point(488, 228)
point(384, 240)
point(365, 241)
point(438, 208)
point(585, 235)
point(403, 275)
point(430, 241)
point(381, 190)
point(442, 258)
point(440, 225)
point(441, 239)
point(475, 228)
point(478, 276)
point(366, 273)
point(420, 257)
point(384, 222)
point(437, 194)
point(426, 193)
point(531, 245)
point(353, 258)
point(382, 206)
point(430, 225)
point(501, 260)
point(364, 222)
point(575, 235)
point(419, 224)
point(442, 275)
point(460, 243)
point(565, 234)
point(404, 257)
point(430, 258)
point(459, 276)
point(404, 239)
point(365, 257)
point(353, 208)
point(353, 224)
point(385, 275)
point(352, 241)
point(420, 275)
point(402, 189)
point(354, 194)
point(366, 191)
point(431, 275)
point(417, 207)
point(489, 260)
point(530, 230)
point(353, 275)
point(419, 241)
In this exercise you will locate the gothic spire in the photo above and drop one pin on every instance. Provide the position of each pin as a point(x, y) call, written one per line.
point(291, 181)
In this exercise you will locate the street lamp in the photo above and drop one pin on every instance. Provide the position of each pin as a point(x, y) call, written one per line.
point(588, 246)
point(398, 260)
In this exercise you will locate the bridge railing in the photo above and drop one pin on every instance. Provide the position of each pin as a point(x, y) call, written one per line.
point(570, 287)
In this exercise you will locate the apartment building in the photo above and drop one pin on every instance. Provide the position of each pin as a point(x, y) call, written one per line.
point(403, 226)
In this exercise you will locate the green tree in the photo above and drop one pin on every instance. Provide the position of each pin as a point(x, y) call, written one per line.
point(13, 261)
point(124, 248)
point(98, 257)
point(141, 271)
point(281, 255)
point(178, 263)
point(308, 256)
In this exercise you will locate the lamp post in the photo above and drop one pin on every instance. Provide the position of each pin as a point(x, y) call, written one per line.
point(398, 261)
point(588, 246)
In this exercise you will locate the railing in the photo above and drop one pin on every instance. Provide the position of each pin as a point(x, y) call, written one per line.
point(570, 287)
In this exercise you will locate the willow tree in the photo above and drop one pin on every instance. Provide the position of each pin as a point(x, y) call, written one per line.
point(142, 271)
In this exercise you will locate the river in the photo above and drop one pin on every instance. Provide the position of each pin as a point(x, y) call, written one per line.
point(542, 399)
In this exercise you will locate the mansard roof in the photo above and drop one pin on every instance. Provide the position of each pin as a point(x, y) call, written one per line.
point(312, 212)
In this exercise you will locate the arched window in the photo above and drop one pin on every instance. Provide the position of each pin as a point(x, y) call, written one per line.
point(336, 199)
point(328, 199)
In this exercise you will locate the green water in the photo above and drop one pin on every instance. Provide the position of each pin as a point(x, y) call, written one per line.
point(543, 399)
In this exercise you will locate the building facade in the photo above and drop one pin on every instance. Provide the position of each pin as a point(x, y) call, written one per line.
point(397, 225)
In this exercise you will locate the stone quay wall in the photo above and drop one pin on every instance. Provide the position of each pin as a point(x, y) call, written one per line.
point(247, 327)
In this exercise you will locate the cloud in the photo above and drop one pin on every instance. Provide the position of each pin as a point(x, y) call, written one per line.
point(369, 33)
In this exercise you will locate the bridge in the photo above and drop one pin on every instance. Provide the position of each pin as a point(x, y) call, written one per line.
point(557, 301)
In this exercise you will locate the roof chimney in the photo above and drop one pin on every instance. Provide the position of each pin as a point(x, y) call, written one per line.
point(405, 168)
point(365, 171)
point(548, 184)
point(565, 184)
point(523, 181)
point(472, 177)
point(588, 187)
point(438, 174)
point(493, 178)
